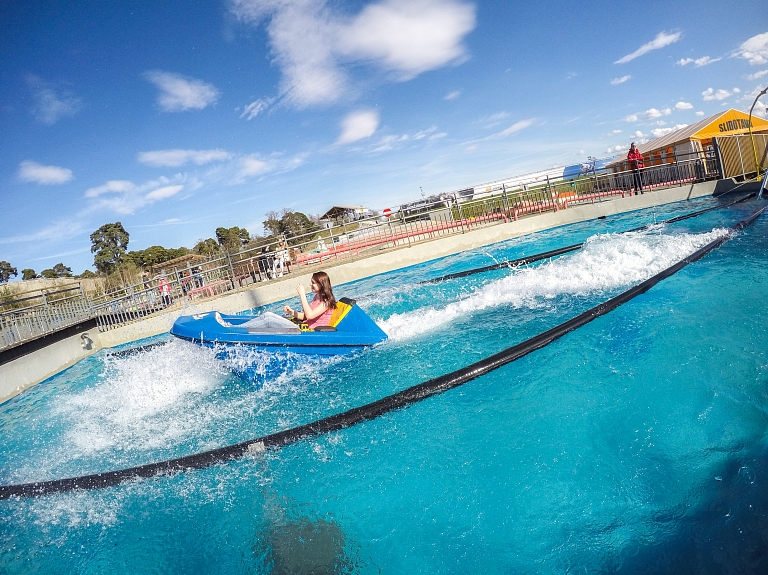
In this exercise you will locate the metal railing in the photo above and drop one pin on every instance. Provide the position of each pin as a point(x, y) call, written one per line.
point(31, 317)
point(346, 241)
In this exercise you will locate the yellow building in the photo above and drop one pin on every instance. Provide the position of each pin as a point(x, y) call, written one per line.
point(722, 138)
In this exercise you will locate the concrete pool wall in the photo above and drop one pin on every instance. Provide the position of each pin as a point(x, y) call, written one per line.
point(37, 366)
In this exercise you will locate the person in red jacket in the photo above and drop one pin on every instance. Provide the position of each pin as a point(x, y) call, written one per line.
point(635, 159)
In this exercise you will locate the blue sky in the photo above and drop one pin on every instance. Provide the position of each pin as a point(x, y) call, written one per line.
point(176, 118)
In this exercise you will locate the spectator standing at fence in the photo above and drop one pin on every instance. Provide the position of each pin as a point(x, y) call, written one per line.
point(165, 290)
point(635, 159)
point(266, 262)
point(281, 256)
point(198, 275)
point(148, 288)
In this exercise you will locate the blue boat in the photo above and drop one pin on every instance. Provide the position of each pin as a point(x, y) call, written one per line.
point(350, 329)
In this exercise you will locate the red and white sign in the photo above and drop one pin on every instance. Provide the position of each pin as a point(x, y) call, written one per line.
point(387, 212)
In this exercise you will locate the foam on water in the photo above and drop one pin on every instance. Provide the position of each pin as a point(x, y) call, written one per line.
point(144, 401)
point(606, 262)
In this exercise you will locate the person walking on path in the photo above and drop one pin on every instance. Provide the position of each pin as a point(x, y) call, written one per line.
point(635, 159)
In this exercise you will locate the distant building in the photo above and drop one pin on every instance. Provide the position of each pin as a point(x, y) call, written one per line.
point(724, 136)
point(348, 213)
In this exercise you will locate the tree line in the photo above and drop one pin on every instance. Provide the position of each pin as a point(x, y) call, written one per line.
point(109, 246)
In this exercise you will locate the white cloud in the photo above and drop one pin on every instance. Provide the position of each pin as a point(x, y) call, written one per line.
point(176, 158)
point(684, 61)
point(749, 97)
point(638, 134)
point(683, 106)
point(616, 149)
point(754, 50)
point(163, 193)
point(68, 228)
point(390, 141)
point(410, 36)
point(660, 123)
point(705, 61)
point(617, 81)
point(255, 108)
point(358, 126)
point(661, 40)
point(654, 113)
point(699, 113)
point(405, 37)
point(50, 103)
point(517, 126)
point(757, 75)
point(125, 197)
point(710, 94)
point(112, 186)
point(30, 171)
point(179, 93)
point(658, 132)
point(252, 166)
point(631, 118)
point(452, 95)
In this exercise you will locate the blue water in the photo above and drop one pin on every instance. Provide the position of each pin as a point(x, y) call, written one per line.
point(635, 444)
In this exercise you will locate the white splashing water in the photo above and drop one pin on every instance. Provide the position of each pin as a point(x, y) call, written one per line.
point(143, 401)
point(157, 398)
point(606, 262)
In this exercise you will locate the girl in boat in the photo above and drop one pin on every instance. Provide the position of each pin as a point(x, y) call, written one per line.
point(319, 312)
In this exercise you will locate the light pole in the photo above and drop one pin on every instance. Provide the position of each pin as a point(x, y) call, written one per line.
point(751, 137)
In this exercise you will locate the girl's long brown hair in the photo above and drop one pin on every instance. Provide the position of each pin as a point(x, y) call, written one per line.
point(325, 293)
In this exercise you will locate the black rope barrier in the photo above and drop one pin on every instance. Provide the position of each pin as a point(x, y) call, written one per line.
point(567, 249)
point(363, 413)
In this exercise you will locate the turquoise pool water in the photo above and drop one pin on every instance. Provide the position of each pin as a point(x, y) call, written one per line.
point(635, 444)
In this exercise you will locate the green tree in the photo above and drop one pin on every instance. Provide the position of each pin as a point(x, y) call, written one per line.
point(294, 224)
point(272, 223)
point(232, 239)
point(6, 271)
point(154, 255)
point(28, 274)
point(49, 274)
point(87, 274)
point(62, 271)
point(208, 247)
point(109, 244)
point(289, 223)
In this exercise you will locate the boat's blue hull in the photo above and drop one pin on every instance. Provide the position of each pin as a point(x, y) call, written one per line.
point(354, 332)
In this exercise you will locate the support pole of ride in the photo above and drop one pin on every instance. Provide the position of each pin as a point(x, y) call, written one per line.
point(752, 137)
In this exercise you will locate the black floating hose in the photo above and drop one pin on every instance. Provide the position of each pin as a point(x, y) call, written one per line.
point(565, 250)
point(135, 350)
point(363, 413)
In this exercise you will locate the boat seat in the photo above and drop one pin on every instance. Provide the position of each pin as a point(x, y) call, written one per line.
point(342, 309)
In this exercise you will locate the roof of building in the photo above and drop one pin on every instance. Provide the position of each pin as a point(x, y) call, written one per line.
point(680, 135)
point(178, 262)
point(337, 211)
point(699, 131)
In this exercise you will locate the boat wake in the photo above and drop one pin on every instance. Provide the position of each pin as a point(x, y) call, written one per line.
point(606, 262)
